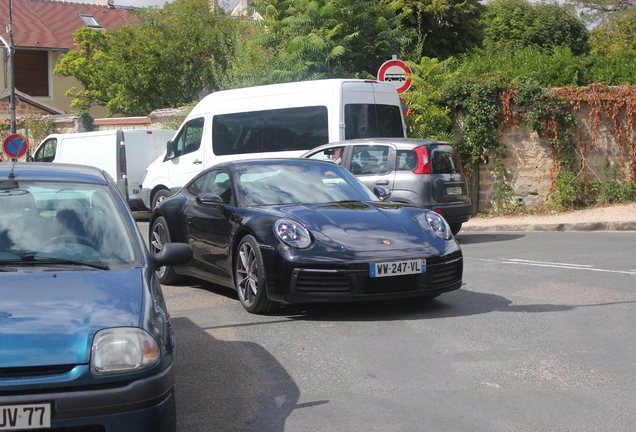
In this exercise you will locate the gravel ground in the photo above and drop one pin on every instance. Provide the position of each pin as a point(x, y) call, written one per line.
point(615, 217)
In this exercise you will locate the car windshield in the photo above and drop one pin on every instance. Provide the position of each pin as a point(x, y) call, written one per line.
point(299, 183)
point(62, 221)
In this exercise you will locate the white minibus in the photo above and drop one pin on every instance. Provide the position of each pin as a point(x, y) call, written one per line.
point(278, 120)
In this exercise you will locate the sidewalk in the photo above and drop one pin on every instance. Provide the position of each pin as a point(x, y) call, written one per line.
point(620, 217)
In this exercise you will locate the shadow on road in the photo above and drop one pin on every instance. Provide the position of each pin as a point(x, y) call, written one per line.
point(454, 304)
point(224, 386)
point(471, 238)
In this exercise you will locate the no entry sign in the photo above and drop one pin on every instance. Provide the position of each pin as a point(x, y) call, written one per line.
point(397, 73)
point(15, 146)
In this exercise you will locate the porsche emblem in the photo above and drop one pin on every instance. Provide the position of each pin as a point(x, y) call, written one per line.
point(386, 242)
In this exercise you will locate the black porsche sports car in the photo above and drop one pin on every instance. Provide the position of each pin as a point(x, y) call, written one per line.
point(284, 231)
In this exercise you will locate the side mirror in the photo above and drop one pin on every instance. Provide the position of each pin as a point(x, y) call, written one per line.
point(173, 254)
point(209, 199)
point(29, 159)
point(381, 192)
point(169, 150)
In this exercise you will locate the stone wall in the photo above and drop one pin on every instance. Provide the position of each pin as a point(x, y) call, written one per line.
point(529, 164)
point(22, 109)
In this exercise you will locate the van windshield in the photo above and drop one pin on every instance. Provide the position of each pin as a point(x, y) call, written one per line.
point(373, 121)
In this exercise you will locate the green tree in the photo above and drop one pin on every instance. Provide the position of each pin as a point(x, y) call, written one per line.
point(545, 25)
point(313, 39)
point(617, 35)
point(427, 118)
point(445, 28)
point(163, 60)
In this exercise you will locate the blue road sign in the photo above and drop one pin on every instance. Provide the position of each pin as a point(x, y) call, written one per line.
point(15, 146)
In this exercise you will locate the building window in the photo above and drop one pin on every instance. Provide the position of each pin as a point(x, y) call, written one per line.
point(32, 72)
point(89, 21)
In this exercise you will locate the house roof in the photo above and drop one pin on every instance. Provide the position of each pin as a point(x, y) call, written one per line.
point(6, 94)
point(50, 24)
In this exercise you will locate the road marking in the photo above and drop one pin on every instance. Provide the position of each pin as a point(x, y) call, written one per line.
point(522, 261)
point(557, 265)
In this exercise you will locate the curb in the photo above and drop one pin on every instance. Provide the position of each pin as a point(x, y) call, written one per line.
point(579, 226)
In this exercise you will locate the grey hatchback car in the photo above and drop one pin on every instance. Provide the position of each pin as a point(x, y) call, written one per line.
point(422, 172)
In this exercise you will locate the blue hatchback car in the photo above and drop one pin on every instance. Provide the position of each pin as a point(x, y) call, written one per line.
point(85, 339)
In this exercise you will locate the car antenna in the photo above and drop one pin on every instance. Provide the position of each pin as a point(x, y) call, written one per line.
point(11, 174)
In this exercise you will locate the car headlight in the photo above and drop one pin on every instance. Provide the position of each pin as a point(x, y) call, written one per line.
point(432, 220)
point(123, 350)
point(292, 233)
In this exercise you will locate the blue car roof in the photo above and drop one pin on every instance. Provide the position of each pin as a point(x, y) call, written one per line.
point(45, 171)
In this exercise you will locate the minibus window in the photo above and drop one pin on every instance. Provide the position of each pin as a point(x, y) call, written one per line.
point(373, 121)
point(270, 131)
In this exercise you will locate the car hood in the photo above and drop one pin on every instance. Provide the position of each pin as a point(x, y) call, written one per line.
point(363, 226)
point(50, 318)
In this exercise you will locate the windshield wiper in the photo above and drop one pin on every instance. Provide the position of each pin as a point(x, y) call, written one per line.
point(31, 259)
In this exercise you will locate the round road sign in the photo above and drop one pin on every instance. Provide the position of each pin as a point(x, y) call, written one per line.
point(397, 73)
point(15, 146)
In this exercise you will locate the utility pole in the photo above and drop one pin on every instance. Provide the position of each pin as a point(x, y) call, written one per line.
point(11, 68)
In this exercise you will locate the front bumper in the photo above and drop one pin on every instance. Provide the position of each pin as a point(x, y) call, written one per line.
point(308, 284)
point(142, 405)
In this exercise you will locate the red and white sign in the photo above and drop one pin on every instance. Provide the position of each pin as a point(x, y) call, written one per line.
point(15, 146)
point(397, 73)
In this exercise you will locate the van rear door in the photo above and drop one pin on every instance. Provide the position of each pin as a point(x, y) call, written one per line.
point(371, 110)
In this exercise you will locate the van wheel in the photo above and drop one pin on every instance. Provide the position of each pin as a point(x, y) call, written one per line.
point(159, 236)
point(455, 227)
point(160, 196)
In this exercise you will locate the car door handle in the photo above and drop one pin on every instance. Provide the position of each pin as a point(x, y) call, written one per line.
point(382, 183)
point(197, 162)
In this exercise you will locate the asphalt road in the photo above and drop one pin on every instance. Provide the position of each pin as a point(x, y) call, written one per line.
point(539, 338)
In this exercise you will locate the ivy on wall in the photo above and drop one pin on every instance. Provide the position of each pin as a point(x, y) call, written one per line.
point(486, 108)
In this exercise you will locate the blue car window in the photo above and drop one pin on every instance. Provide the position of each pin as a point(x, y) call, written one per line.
point(63, 221)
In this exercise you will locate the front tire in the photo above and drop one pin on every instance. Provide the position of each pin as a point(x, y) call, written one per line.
point(159, 236)
point(159, 196)
point(249, 277)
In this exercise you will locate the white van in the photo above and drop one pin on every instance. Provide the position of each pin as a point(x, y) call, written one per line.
point(278, 120)
point(124, 155)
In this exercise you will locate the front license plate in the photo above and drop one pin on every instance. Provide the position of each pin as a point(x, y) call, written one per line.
point(31, 416)
point(454, 191)
point(397, 268)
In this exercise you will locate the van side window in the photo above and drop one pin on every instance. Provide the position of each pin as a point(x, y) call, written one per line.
point(270, 130)
point(189, 139)
point(46, 152)
point(373, 121)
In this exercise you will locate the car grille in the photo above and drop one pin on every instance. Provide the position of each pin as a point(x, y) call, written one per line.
point(446, 272)
point(322, 281)
point(34, 371)
point(392, 284)
point(440, 273)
